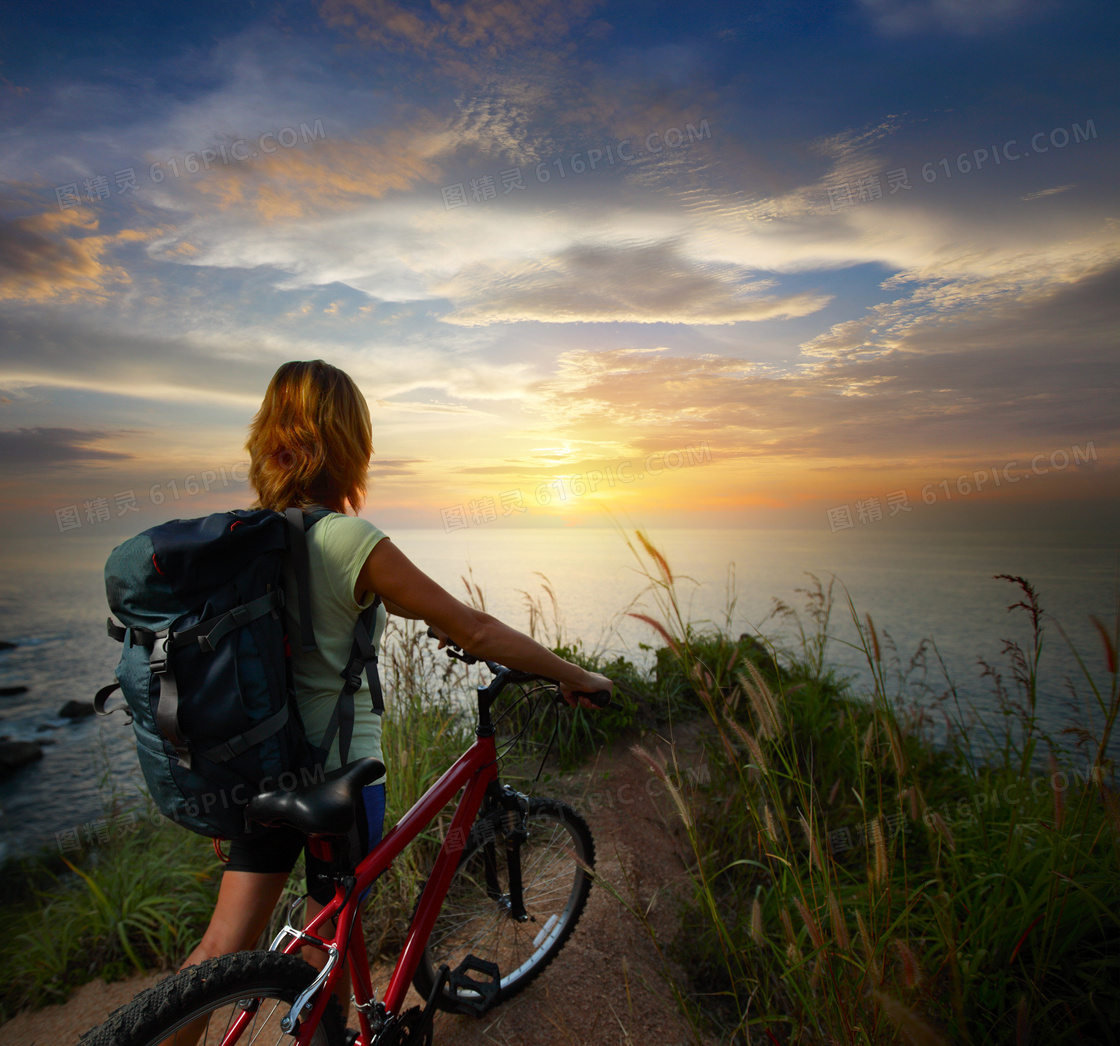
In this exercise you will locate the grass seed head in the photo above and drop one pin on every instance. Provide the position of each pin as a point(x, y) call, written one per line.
point(762, 701)
point(674, 792)
point(810, 923)
point(864, 937)
point(752, 744)
point(912, 1028)
point(874, 639)
point(839, 927)
point(1109, 645)
point(868, 738)
point(660, 629)
point(941, 828)
point(814, 850)
point(656, 556)
point(756, 922)
point(787, 926)
point(911, 968)
point(771, 825)
point(878, 869)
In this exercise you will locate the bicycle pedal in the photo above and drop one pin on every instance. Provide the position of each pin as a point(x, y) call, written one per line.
point(483, 994)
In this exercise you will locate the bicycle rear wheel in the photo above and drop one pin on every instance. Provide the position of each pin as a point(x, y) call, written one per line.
point(197, 1006)
point(477, 920)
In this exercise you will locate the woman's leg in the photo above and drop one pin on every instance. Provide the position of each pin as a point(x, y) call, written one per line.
point(318, 958)
point(245, 903)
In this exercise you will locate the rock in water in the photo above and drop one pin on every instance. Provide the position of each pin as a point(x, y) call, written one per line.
point(76, 709)
point(11, 691)
point(14, 754)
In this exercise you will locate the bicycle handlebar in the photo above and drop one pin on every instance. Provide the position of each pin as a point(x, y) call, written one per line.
point(599, 698)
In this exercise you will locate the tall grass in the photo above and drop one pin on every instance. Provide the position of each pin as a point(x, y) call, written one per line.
point(135, 903)
point(855, 883)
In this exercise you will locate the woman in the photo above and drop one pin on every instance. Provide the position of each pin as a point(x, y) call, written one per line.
point(310, 444)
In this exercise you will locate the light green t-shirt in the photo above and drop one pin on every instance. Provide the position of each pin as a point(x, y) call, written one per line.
point(337, 547)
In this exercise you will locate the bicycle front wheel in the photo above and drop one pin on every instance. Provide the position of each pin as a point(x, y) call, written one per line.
point(198, 1006)
point(477, 917)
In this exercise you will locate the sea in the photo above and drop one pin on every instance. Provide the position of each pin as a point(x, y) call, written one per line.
point(585, 584)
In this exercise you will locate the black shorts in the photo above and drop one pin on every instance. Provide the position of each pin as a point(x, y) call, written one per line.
point(276, 849)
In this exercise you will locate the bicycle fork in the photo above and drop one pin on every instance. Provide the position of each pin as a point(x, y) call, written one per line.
point(513, 819)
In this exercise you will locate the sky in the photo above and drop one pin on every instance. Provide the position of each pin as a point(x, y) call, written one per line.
point(699, 265)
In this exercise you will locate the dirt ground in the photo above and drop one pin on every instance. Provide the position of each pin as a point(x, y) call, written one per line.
point(607, 986)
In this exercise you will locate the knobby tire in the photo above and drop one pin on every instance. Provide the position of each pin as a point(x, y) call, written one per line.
point(213, 989)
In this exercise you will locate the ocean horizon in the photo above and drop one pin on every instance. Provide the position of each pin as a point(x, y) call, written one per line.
point(914, 586)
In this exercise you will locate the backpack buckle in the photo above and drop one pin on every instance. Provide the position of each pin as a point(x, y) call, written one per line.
point(157, 661)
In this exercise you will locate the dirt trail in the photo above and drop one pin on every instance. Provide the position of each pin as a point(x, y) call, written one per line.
point(606, 987)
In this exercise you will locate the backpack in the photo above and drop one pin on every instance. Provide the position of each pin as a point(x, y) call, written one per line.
point(205, 668)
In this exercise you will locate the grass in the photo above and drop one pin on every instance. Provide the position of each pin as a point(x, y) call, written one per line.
point(852, 880)
point(135, 903)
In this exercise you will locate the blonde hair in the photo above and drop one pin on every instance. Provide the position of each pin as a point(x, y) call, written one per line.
point(311, 440)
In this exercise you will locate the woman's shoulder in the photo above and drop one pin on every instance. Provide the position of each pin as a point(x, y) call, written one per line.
point(342, 523)
point(339, 532)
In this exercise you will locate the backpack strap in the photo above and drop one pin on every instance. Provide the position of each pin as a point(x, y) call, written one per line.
point(363, 660)
point(167, 707)
point(101, 698)
point(363, 654)
point(254, 736)
point(298, 525)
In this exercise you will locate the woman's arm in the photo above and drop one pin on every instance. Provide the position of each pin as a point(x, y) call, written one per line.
point(403, 586)
point(395, 610)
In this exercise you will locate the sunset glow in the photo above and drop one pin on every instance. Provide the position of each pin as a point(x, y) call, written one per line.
point(709, 268)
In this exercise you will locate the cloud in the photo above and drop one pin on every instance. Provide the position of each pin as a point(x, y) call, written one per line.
point(412, 407)
point(992, 379)
point(637, 283)
point(966, 17)
point(395, 466)
point(168, 357)
point(42, 258)
point(971, 286)
point(320, 176)
point(37, 448)
point(1047, 192)
point(475, 29)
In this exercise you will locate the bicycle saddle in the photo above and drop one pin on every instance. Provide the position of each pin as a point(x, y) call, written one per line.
point(324, 808)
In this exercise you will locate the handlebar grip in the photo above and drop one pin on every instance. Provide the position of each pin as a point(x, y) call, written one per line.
point(600, 698)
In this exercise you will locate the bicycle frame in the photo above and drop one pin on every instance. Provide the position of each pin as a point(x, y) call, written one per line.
point(472, 773)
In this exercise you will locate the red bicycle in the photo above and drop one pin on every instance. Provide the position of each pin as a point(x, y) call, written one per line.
point(505, 892)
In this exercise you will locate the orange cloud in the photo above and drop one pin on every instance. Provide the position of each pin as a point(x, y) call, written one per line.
point(41, 259)
point(326, 175)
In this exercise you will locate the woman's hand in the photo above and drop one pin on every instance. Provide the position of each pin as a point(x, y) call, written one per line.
point(592, 683)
